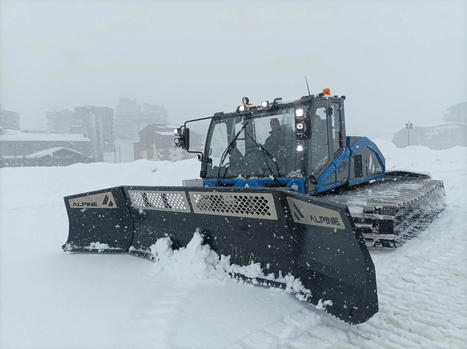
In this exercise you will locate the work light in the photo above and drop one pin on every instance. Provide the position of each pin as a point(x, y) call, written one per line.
point(299, 112)
point(241, 108)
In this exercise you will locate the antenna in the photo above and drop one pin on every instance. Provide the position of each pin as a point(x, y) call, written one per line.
point(307, 87)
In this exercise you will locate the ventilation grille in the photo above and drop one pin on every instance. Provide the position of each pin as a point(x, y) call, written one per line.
point(248, 205)
point(159, 200)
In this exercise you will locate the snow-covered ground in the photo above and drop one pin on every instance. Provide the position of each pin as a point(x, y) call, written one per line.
point(51, 299)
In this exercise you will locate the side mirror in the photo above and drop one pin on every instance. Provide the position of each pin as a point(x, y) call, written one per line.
point(186, 138)
point(182, 137)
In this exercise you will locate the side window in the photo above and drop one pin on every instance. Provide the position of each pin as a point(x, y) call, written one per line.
point(374, 165)
point(319, 140)
point(218, 143)
point(335, 127)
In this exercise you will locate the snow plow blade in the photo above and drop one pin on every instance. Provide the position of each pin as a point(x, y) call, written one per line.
point(286, 232)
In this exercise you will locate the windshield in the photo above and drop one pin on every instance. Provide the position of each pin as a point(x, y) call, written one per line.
point(245, 158)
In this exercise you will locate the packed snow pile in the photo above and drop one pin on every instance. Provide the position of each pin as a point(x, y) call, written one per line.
point(52, 299)
point(198, 262)
point(195, 261)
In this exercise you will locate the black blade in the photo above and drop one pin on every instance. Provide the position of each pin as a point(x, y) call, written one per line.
point(285, 232)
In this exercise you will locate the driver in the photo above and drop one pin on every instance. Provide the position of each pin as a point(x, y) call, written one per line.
point(275, 143)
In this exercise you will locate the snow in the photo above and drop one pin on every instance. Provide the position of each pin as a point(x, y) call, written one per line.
point(51, 299)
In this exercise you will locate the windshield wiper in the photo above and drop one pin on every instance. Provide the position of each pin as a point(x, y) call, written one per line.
point(227, 151)
point(265, 152)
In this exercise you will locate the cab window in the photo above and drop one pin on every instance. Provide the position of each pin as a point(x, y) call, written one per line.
point(335, 124)
point(319, 140)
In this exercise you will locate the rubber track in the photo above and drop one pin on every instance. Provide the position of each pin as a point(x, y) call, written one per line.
point(387, 213)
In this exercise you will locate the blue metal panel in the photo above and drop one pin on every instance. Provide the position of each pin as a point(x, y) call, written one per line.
point(347, 154)
point(324, 177)
point(363, 142)
point(341, 159)
point(299, 182)
point(332, 168)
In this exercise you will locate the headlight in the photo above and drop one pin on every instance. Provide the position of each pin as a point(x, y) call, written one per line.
point(241, 108)
point(299, 147)
point(299, 112)
point(177, 141)
point(299, 126)
point(265, 104)
point(177, 131)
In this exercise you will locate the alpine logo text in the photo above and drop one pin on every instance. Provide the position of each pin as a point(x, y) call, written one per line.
point(307, 213)
point(102, 200)
point(84, 204)
point(324, 219)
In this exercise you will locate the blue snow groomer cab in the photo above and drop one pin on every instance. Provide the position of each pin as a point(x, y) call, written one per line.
point(301, 146)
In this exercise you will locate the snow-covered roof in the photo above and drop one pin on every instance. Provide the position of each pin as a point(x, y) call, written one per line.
point(50, 151)
point(450, 125)
point(165, 133)
point(19, 136)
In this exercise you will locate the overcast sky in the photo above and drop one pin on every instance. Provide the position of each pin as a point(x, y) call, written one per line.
point(393, 60)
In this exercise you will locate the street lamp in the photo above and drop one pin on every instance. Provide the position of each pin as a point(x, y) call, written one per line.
point(408, 126)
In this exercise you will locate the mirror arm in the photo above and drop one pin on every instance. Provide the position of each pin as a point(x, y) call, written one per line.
point(200, 119)
point(200, 154)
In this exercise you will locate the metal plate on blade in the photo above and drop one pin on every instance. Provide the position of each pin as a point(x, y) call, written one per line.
point(159, 200)
point(245, 205)
point(306, 213)
point(101, 200)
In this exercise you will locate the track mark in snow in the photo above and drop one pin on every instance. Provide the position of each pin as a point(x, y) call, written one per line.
point(291, 328)
point(155, 321)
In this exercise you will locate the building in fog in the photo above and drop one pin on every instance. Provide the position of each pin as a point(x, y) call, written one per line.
point(126, 112)
point(131, 117)
point(17, 148)
point(9, 119)
point(457, 113)
point(95, 123)
point(450, 134)
point(56, 156)
point(59, 121)
point(156, 142)
point(436, 137)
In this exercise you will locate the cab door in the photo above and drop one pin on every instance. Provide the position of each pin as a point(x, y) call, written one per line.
point(318, 156)
point(329, 154)
point(337, 146)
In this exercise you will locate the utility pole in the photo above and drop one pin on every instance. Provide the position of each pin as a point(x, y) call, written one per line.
point(408, 126)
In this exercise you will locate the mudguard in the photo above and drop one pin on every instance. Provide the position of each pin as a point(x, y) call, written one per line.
point(286, 232)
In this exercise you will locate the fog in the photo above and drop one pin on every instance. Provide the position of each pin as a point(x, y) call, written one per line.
point(395, 61)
